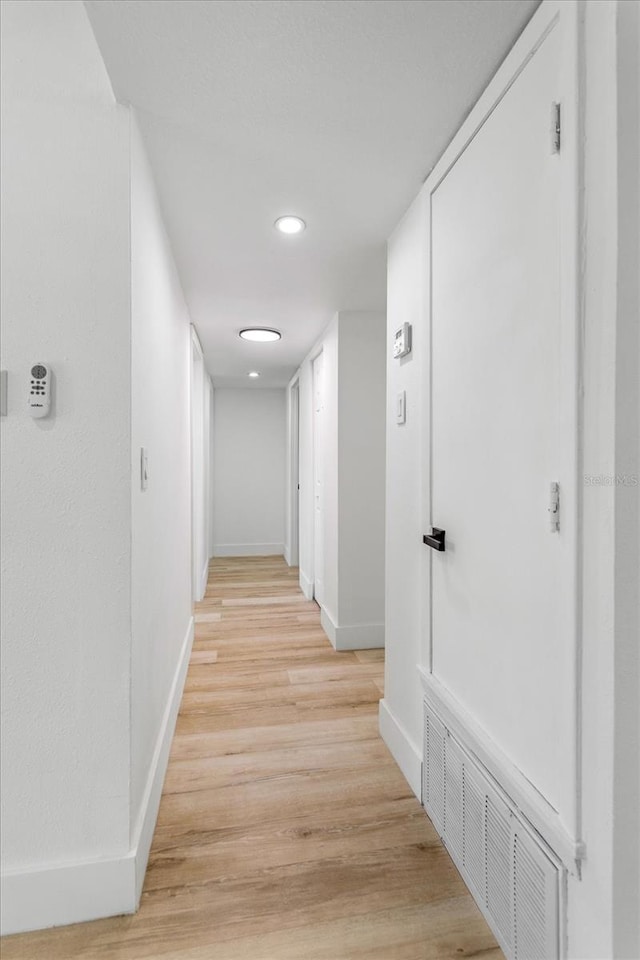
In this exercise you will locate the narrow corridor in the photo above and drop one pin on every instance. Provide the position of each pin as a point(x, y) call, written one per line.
point(286, 831)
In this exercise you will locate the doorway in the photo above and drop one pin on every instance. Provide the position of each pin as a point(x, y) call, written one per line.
point(294, 475)
point(318, 478)
point(199, 473)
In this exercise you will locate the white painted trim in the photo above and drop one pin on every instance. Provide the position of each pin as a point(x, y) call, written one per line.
point(512, 66)
point(292, 536)
point(520, 791)
point(54, 895)
point(204, 577)
point(306, 585)
point(402, 748)
point(248, 549)
point(328, 626)
point(195, 339)
point(356, 636)
point(146, 822)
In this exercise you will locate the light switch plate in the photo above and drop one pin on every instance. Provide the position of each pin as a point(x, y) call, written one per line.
point(144, 469)
point(401, 407)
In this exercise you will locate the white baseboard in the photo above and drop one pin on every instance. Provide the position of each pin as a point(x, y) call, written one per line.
point(403, 750)
point(204, 577)
point(52, 896)
point(359, 636)
point(58, 894)
point(306, 586)
point(146, 821)
point(248, 549)
point(287, 555)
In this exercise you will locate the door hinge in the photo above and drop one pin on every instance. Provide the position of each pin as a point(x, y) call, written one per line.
point(554, 507)
point(555, 128)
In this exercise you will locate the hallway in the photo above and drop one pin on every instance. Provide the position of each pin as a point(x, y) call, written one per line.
point(286, 831)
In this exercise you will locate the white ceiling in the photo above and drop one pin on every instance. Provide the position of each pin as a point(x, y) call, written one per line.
point(334, 110)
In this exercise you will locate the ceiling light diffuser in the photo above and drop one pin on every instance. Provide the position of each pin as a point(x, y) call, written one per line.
point(254, 373)
point(290, 224)
point(260, 334)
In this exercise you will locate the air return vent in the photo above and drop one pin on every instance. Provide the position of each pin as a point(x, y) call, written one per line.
point(512, 874)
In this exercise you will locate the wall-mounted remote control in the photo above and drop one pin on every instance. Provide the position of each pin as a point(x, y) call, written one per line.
point(39, 390)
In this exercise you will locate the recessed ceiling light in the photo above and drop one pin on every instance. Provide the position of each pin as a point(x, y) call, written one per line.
point(254, 373)
point(260, 334)
point(289, 224)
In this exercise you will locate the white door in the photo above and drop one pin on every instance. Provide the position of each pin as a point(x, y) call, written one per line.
point(198, 476)
point(295, 475)
point(502, 594)
point(318, 478)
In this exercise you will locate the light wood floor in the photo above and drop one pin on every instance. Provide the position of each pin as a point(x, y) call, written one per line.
point(286, 831)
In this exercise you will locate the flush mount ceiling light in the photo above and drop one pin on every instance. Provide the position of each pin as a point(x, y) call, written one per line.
point(254, 373)
point(260, 334)
point(289, 224)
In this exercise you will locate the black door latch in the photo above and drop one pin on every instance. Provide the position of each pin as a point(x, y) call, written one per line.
point(435, 539)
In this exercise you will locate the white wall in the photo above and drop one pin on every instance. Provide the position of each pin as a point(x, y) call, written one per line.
point(626, 841)
point(96, 582)
point(361, 466)
point(292, 480)
point(249, 455)
point(200, 457)
point(304, 377)
point(603, 898)
point(330, 471)
point(603, 907)
point(407, 494)
point(160, 515)
point(211, 532)
point(65, 480)
point(353, 348)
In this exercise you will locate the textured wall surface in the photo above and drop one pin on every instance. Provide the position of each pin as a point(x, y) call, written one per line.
point(161, 515)
point(249, 468)
point(65, 479)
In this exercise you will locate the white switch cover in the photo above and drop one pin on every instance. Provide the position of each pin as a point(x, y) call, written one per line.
point(402, 341)
point(144, 469)
point(401, 407)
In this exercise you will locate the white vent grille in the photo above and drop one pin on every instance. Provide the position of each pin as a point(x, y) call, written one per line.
point(511, 873)
point(473, 833)
point(434, 769)
point(453, 797)
point(498, 861)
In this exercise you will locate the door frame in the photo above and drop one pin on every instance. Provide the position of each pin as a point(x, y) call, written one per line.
point(563, 833)
point(199, 470)
point(315, 442)
point(293, 475)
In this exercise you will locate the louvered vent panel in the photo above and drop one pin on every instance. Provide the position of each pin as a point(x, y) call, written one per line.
point(453, 798)
point(473, 831)
point(510, 871)
point(498, 866)
point(535, 900)
point(434, 760)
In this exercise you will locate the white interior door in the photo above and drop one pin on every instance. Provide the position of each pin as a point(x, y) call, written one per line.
point(295, 475)
point(198, 474)
point(502, 595)
point(318, 478)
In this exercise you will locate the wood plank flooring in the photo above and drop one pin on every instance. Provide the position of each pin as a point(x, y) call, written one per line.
point(286, 831)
